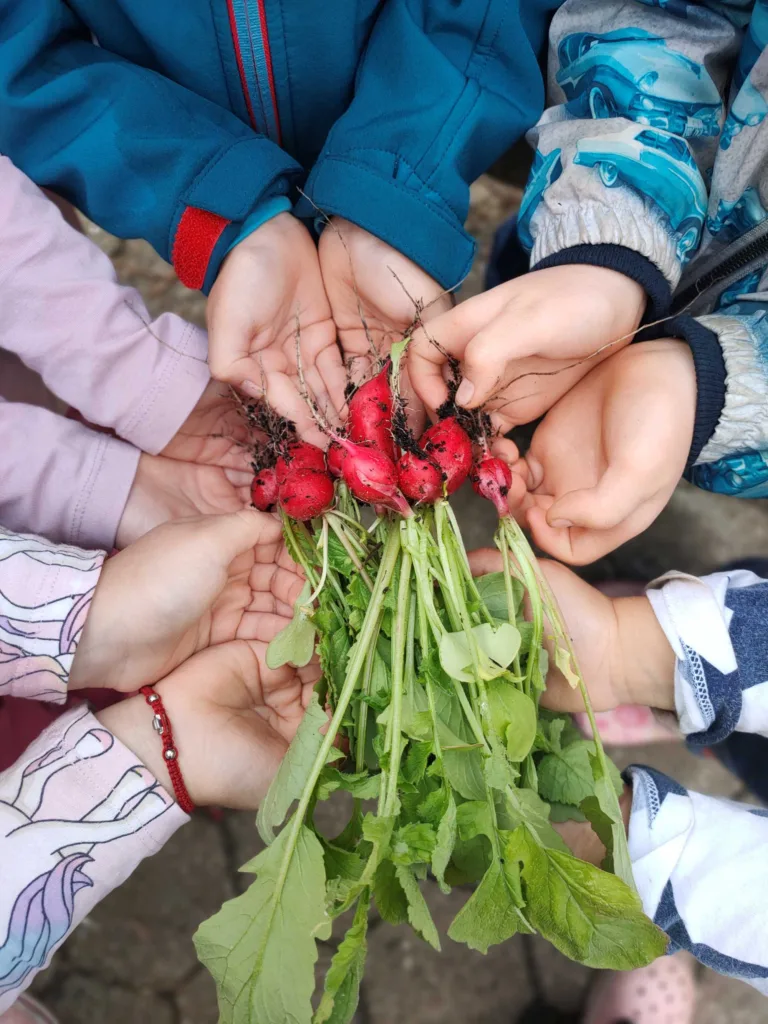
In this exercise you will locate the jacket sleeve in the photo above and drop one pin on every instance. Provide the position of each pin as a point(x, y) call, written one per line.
point(78, 813)
point(45, 594)
point(699, 861)
point(91, 340)
point(442, 91)
point(60, 478)
point(139, 154)
point(635, 109)
point(729, 453)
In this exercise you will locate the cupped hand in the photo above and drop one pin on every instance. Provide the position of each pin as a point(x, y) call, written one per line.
point(525, 343)
point(183, 587)
point(367, 280)
point(622, 651)
point(233, 719)
point(606, 458)
point(267, 286)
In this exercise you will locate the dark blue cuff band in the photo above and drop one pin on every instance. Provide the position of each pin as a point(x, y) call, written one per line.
point(710, 378)
point(625, 261)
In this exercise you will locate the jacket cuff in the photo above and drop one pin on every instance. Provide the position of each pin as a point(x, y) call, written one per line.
point(710, 378)
point(743, 424)
point(625, 261)
point(100, 506)
point(409, 221)
point(216, 205)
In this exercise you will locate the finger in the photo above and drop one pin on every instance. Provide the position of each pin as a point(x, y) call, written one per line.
point(285, 399)
point(580, 546)
point(330, 366)
point(484, 560)
point(613, 499)
point(230, 535)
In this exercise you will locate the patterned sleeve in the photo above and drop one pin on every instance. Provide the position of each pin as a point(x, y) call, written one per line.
point(699, 862)
point(78, 813)
point(45, 594)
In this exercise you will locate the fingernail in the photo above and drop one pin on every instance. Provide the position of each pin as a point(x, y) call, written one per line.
point(561, 524)
point(465, 392)
point(254, 390)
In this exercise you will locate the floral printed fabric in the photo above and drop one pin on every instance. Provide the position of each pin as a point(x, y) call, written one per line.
point(45, 593)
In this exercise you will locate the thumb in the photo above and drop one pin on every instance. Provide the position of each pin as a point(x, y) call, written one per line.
point(224, 537)
point(484, 368)
point(612, 500)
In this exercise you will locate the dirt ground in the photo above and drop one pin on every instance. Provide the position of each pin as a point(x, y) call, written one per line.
point(132, 960)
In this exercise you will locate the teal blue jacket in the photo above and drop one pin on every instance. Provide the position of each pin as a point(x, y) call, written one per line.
point(177, 120)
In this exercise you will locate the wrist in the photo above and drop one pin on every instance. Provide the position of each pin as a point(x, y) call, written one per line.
point(647, 658)
point(131, 722)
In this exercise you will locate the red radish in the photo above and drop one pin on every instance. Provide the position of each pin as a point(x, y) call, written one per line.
point(419, 479)
point(449, 445)
point(300, 455)
point(264, 490)
point(335, 458)
point(372, 477)
point(370, 414)
point(492, 479)
point(305, 493)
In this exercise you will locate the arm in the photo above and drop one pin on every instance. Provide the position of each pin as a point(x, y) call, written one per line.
point(61, 479)
point(91, 340)
point(611, 133)
point(442, 91)
point(66, 839)
point(141, 155)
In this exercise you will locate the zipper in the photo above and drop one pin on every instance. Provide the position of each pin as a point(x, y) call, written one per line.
point(698, 290)
point(248, 24)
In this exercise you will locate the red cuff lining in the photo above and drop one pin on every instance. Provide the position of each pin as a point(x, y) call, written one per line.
point(197, 234)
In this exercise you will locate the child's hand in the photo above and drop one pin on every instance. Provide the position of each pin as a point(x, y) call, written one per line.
point(232, 718)
point(518, 343)
point(622, 651)
point(358, 271)
point(607, 457)
point(183, 587)
point(268, 281)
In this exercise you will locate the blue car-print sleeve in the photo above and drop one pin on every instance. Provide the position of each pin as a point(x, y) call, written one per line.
point(636, 107)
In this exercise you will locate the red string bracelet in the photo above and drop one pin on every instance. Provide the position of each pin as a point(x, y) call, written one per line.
point(161, 723)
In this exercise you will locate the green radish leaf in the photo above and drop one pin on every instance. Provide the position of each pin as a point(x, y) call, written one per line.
point(294, 770)
point(513, 716)
point(260, 947)
point(342, 982)
point(388, 894)
point(588, 914)
point(455, 656)
point(464, 771)
point(341, 863)
point(492, 914)
point(295, 644)
point(415, 764)
point(494, 594)
point(418, 911)
point(473, 818)
point(559, 813)
point(412, 844)
point(525, 807)
point(338, 558)
point(498, 772)
point(500, 643)
point(604, 814)
point(359, 784)
point(566, 776)
point(445, 842)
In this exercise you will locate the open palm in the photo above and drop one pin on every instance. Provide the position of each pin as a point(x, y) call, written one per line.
point(185, 586)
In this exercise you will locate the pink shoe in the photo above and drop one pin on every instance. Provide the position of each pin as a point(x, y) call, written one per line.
point(27, 1010)
point(662, 993)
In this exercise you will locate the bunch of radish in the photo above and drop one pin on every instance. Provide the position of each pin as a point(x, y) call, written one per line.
point(431, 679)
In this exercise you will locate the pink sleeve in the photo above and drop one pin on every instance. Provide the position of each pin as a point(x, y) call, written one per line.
point(89, 338)
point(78, 813)
point(45, 594)
point(61, 479)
